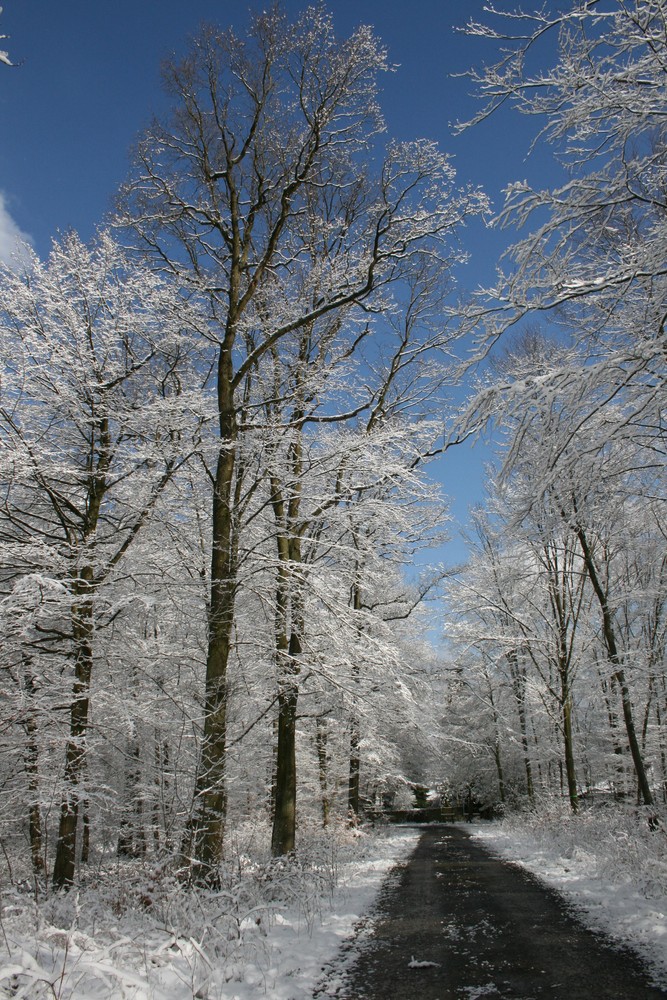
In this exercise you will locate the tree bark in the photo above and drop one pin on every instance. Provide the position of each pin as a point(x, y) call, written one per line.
point(283, 838)
point(75, 752)
point(289, 620)
point(613, 655)
point(323, 767)
point(210, 802)
point(131, 835)
point(570, 769)
point(519, 688)
point(35, 828)
point(353, 786)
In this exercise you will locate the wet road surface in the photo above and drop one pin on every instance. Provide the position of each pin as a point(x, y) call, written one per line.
point(456, 923)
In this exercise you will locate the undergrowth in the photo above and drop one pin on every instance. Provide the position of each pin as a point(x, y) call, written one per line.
point(135, 929)
point(618, 842)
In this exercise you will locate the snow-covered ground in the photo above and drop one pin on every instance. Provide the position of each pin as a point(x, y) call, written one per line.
point(611, 868)
point(101, 943)
point(273, 930)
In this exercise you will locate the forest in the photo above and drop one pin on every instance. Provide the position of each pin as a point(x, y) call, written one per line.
point(219, 422)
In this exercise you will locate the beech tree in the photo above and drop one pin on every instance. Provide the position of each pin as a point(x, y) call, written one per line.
point(592, 266)
point(563, 584)
point(579, 497)
point(93, 425)
point(553, 610)
point(347, 507)
point(266, 190)
point(517, 649)
point(322, 497)
point(492, 601)
point(593, 260)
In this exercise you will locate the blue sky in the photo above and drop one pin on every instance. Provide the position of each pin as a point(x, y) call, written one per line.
point(87, 80)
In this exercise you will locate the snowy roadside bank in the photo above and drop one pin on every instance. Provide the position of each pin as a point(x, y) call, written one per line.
point(610, 868)
point(87, 946)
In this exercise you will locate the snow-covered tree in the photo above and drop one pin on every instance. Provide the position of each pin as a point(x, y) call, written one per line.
point(266, 189)
point(565, 608)
point(94, 424)
point(582, 405)
point(593, 262)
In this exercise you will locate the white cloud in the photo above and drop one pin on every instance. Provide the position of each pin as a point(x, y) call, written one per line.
point(12, 237)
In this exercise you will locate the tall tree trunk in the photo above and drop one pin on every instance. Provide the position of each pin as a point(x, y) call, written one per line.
point(283, 837)
point(85, 832)
point(353, 786)
point(565, 598)
point(289, 619)
point(566, 704)
point(570, 769)
point(75, 752)
point(611, 645)
point(35, 828)
point(210, 801)
point(131, 835)
point(323, 767)
point(498, 761)
point(160, 787)
point(618, 782)
point(497, 754)
point(519, 688)
point(274, 770)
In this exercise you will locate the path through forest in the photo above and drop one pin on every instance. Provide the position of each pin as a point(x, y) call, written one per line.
point(456, 923)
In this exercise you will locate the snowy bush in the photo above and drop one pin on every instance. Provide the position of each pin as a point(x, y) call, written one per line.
point(613, 841)
point(135, 929)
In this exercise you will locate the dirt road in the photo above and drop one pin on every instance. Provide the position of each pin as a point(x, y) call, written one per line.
point(455, 923)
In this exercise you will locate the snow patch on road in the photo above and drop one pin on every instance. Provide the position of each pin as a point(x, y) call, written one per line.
point(416, 963)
